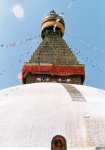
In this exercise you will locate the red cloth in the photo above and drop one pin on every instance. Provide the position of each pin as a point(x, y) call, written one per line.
point(54, 69)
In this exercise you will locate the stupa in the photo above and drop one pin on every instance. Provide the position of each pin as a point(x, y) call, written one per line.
point(53, 107)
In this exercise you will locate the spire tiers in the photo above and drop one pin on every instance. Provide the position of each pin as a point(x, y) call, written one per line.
point(53, 60)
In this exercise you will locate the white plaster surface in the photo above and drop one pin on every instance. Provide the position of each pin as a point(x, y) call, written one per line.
point(30, 115)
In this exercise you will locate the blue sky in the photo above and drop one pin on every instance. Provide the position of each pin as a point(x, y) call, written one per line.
point(20, 30)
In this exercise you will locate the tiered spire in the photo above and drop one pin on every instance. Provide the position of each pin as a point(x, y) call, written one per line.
point(53, 60)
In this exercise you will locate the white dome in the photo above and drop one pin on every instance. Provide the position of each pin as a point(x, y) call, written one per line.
point(32, 114)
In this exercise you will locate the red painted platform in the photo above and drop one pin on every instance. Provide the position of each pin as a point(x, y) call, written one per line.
point(53, 69)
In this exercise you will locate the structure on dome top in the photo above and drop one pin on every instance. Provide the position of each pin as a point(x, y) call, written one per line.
point(53, 60)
